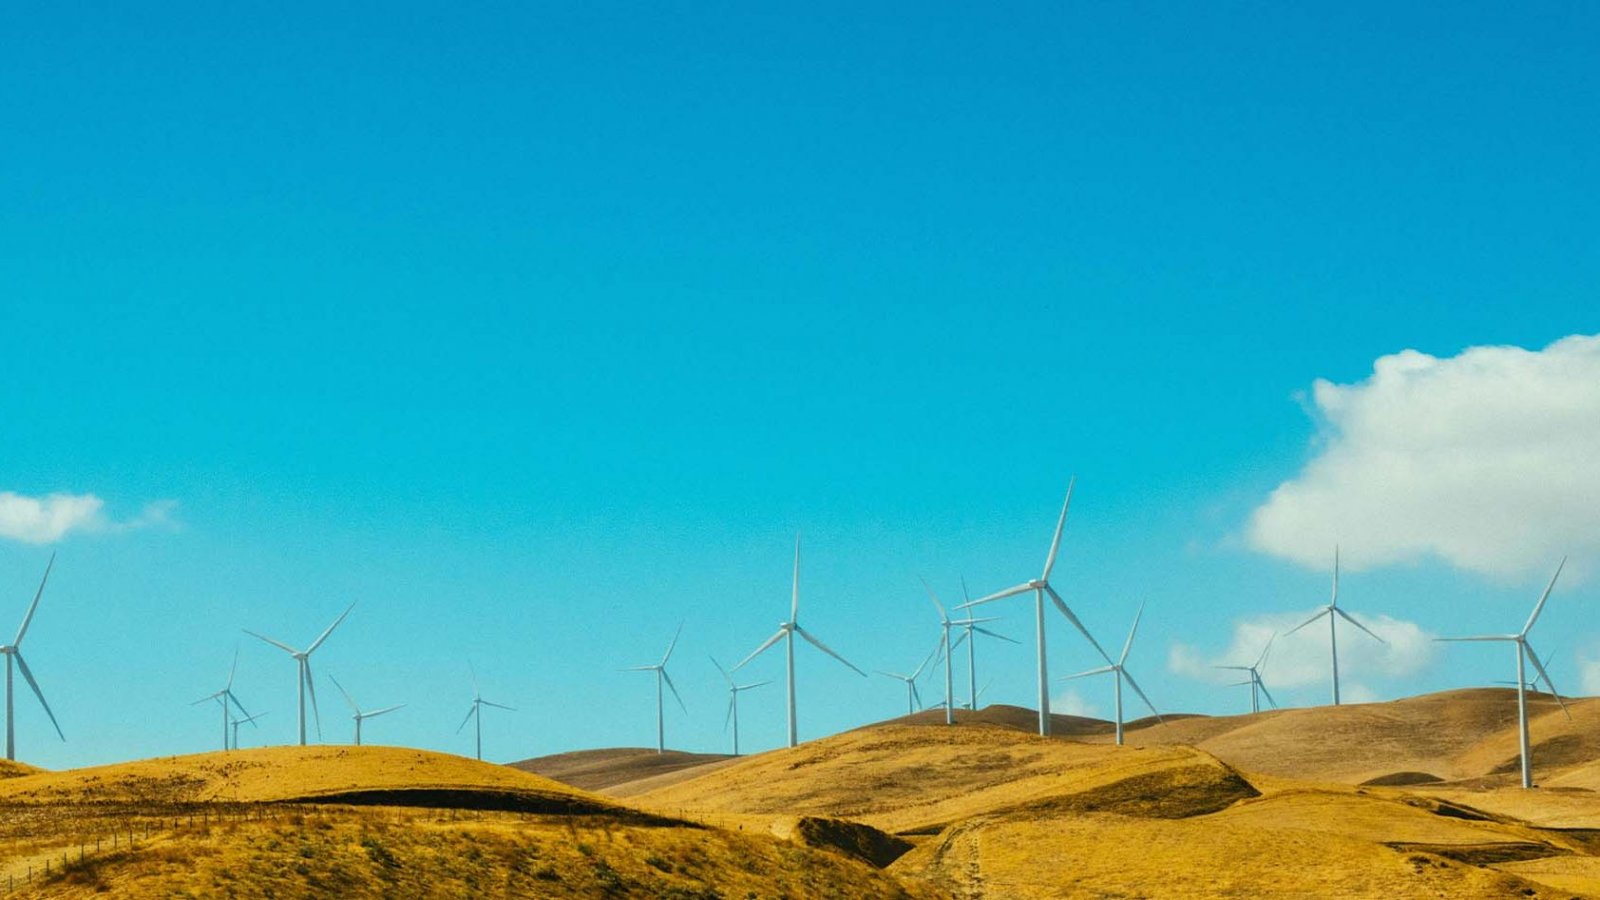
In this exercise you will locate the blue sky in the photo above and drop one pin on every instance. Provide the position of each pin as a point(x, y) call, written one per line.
point(540, 330)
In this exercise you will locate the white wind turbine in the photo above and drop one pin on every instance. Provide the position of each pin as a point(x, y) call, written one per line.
point(1525, 652)
point(914, 696)
point(970, 628)
point(1119, 672)
point(1040, 587)
point(360, 716)
point(733, 701)
point(475, 713)
point(946, 648)
point(13, 655)
point(1334, 613)
point(1254, 681)
point(786, 632)
point(304, 683)
point(226, 696)
point(237, 722)
point(660, 669)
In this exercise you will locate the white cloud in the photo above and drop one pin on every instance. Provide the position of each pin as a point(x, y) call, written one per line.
point(1588, 674)
point(1486, 460)
point(1072, 703)
point(47, 519)
point(1301, 659)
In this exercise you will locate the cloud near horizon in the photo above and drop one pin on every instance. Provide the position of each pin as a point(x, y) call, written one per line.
point(1485, 460)
point(47, 519)
point(1300, 660)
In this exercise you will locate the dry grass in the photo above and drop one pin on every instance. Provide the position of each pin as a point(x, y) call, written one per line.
point(352, 852)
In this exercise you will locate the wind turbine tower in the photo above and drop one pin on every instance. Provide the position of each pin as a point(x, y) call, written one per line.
point(360, 716)
point(476, 712)
point(302, 660)
point(1258, 688)
point(733, 702)
point(226, 696)
point(660, 669)
point(1524, 651)
point(1119, 673)
point(13, 655)
point(786, 632)
point(1334, 613)
point(1040, 587)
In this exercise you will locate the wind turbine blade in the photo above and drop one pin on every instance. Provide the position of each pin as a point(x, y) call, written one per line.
point(960, 638)
point(1534, 658)
point(1238, 668)
point(311, 688)
point(1351, 619)
point(1334, 602)
point(470, 712)
point(1131, 631)
point(228, 696)
point(725, 676)
point(1061, 523)
point(1266, 693)
point(499, 706)
point(324, 635)
point(1137, 690)
point(672, 687)
point(916, 695)
point(638, 668)
point(746, 687)
point(824, 648)
point(993, 634)
point(770, 641)
point(279, 644)
point(235, 668)
point(1100, 671)
point(347, 698)
point(1320, 613)
point(1537, 607)
point(964, 595)
point(379, 712)
point(894, 675)
point(23, 665)
point(999, 595)
point(1265, 650)
point(1481, 637)
point(794, 591)
point(1071, 617)
point(728, 719)
point(206, 697)
point(935, 598)
point(674, 643)
point(28, 618)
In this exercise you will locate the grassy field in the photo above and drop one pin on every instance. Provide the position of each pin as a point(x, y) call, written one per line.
point(1414, 798)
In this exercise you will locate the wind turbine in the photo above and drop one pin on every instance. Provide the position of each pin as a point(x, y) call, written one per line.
point(1119, 672)
point(1334, 613)
point(1255, 682)
point(13, 654)
point(226, 696)
point(946, 649)
point(914, 696)
point(359, 715)
point(660, 669)
point(476, 714)
point(1041, 586)
point(303, 660)
point(786, 632)
point(970, 628)
point(237, 722)
point(1525, 652)
point(733, 701)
